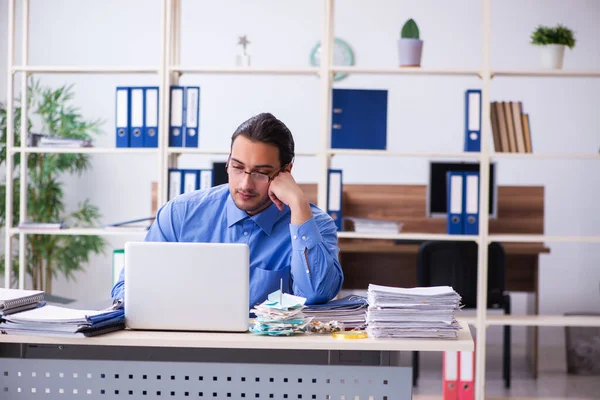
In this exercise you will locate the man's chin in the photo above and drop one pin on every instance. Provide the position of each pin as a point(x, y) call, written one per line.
point(252, 206)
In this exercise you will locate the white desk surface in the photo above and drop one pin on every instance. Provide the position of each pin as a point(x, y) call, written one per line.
point(251, 341)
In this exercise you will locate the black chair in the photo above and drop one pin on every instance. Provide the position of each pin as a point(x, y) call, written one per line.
point(448, 263)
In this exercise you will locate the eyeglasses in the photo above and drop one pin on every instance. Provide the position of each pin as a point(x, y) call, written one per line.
point(257, 177)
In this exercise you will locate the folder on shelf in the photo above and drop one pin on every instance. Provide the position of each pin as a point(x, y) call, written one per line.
point(192, 116)
point(150, 131)
point(175, 184)
point(471, 203)
point(205, 179)
point(176, 118)
point(450, 375)
point(190, 180)
point(473, 120)
point(334, 196)
point(359, 119)
point(118, 262)
point(455, 194)
point(136, 139)
point(466, 375)
point(122, 117)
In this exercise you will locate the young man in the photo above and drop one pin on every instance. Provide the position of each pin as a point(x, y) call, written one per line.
point(289, 238)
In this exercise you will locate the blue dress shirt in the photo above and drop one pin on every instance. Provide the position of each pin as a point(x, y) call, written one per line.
point(278, 248)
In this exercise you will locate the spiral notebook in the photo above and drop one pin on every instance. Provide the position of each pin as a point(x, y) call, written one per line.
point(14, 298)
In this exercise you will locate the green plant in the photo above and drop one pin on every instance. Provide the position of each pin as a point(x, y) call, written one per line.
point(47, 255)
point(559, 34)
point(410, 30)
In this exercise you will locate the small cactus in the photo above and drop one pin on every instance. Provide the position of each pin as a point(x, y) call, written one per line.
point(410, 30)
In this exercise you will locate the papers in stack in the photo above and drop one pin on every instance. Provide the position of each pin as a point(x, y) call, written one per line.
point(61, 321)
point(367, 225)
point(16, 300)
point(350, 310)
point(421, 312)
point(280, 315)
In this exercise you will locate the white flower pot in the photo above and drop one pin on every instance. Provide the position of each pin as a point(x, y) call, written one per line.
point(409, 52)
point(552, 55)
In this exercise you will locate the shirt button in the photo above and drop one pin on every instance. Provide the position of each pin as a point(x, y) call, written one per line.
point(308, 271)
point(245, 233)
point(303, 237)
point(295, 236)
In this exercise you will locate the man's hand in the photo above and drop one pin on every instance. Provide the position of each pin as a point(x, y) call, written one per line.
point(285, 190)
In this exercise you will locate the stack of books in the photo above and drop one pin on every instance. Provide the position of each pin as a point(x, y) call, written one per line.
point(280, 315)
point(52, 320)
point(421, 312)
point(511, 129)
point(17, 300)
point(349, 311)
point(369, 225)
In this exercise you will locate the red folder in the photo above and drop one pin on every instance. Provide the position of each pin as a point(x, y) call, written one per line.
point(466, 375)
point(450, 376)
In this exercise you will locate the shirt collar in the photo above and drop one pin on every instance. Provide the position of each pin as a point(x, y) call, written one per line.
point(264, 219)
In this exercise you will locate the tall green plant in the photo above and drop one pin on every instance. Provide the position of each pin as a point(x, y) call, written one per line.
point(49, 255)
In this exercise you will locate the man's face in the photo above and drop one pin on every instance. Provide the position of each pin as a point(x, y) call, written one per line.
point(249, 193)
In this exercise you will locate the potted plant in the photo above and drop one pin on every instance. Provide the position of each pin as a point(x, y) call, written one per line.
point(410, 46)
point(553, 41)
point(47, 256)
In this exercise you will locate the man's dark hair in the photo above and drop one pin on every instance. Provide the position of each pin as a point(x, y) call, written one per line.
point(266, 128)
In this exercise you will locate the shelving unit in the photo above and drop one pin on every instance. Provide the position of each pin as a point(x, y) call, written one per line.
point(169, 72)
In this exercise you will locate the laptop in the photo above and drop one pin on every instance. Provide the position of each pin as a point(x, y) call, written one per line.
point(187, 286)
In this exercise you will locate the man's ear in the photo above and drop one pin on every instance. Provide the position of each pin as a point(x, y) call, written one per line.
point(289, 167)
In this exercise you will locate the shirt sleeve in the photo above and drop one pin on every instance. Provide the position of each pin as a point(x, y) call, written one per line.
point(316, 271)
point(165, 228)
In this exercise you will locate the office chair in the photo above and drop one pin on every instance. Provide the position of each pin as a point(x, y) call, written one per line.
point(447, 263)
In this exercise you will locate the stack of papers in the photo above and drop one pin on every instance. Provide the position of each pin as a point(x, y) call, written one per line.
point(368, 225)
point(280, 315)
point(61, 321)
point(421, 312)
point(351, 311)
point(17, 300)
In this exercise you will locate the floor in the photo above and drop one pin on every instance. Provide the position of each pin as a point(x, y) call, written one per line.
point(553, 382)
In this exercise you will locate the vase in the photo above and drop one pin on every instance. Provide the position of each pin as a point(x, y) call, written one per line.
point(409, 52)
point(552, 56)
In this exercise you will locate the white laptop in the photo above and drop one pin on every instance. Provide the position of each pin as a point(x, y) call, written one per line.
point(187, 286)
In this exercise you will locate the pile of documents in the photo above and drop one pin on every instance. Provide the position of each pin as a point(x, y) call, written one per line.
point(421, 312)
point(351, 311)
point(368, 225)
point(280, 315)
point(17, 300)
point(52, 320)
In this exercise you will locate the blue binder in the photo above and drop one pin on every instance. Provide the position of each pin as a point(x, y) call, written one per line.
point(175, 183)
point(150, 131)
point(334, 196)
point(205, 179)
point(122, 116)
point(176, 124)
point(471, 203)
point(192, 115)
point(455, 200)
point(136, 103)
point(473, 120)
point(359, 119)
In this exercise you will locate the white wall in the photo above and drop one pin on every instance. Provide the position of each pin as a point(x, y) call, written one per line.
point(425, 113)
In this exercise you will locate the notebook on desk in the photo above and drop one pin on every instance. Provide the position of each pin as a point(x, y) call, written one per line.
point(187, 286)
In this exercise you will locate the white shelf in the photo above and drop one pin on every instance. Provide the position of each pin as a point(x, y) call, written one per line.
point(387, 153)
point(406, 236)
point(543, 238)
point(245, 70)
point(534, 156)
point(196, 150)
point(544, 73)
point(67, 69)
point(85, 150)
point(542, 320)
point(408, 71)
point(81, 231)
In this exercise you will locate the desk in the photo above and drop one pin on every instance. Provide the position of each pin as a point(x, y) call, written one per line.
point(138, 364)
point(396, 265)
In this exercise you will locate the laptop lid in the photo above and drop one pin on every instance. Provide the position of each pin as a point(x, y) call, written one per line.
point(187, 286)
